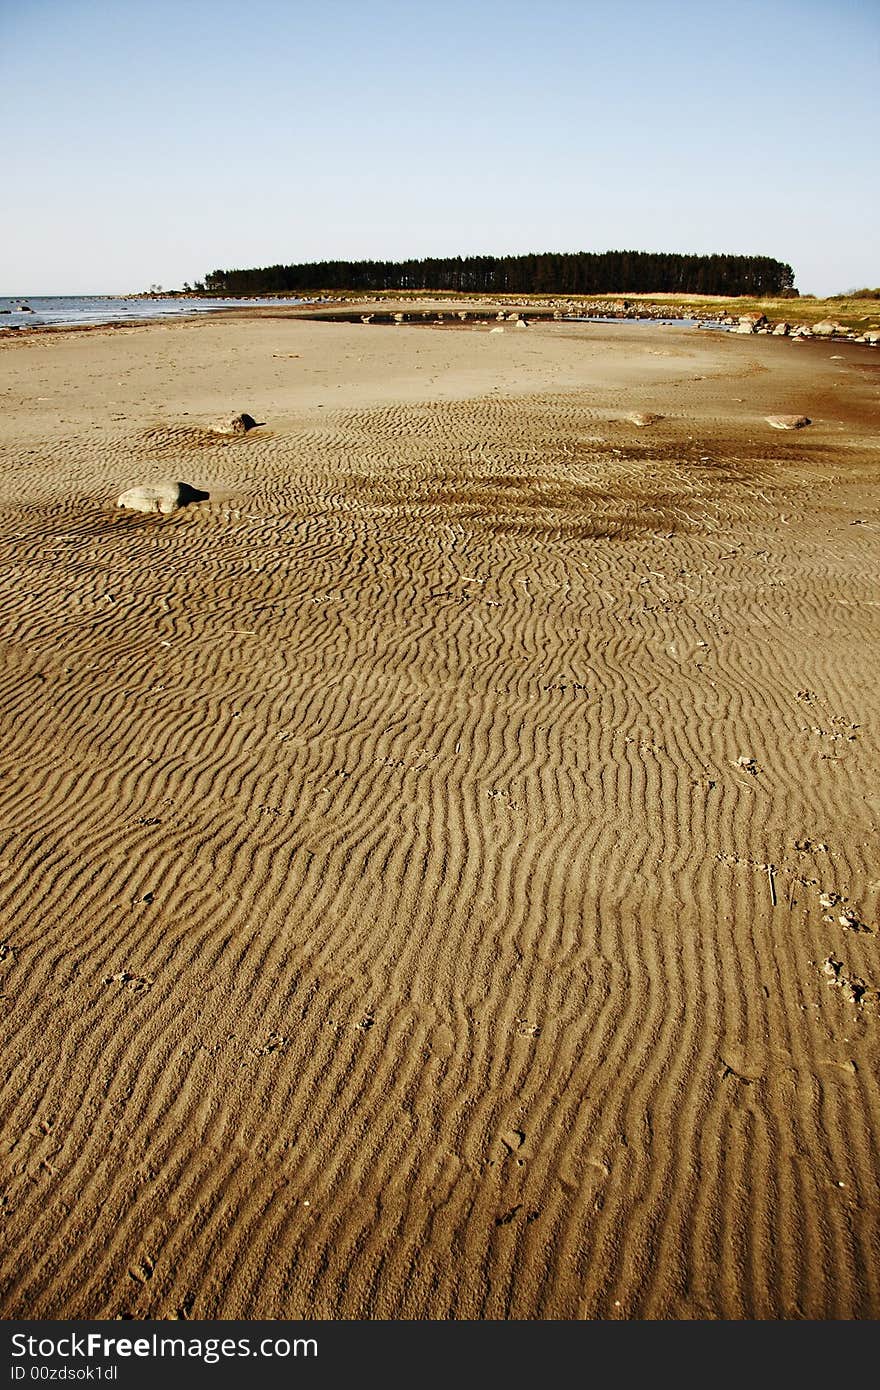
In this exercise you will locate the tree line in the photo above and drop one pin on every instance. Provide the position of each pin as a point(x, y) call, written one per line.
point(577, 272)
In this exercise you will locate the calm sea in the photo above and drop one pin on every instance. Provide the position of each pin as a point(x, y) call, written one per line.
point(73, 309)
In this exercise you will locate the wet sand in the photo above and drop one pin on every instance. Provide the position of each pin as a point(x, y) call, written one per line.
point(439, 872)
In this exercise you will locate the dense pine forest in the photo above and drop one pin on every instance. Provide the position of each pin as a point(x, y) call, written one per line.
point(578, 272)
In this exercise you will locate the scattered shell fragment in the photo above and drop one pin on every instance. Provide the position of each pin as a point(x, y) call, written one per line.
point(850, 919)
point(854, 990)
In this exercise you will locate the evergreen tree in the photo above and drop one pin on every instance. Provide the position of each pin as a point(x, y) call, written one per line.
point(579, 272)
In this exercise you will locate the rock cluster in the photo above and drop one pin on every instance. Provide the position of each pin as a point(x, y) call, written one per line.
point(826, 328)
point(667, 311)
point(742, 323)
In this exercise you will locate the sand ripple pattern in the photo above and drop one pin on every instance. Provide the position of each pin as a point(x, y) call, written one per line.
point(401, 910)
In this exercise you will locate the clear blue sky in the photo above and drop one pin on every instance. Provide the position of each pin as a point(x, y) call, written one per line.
point(150, 143)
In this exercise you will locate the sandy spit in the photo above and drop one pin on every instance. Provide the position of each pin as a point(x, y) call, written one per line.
point(439, 871)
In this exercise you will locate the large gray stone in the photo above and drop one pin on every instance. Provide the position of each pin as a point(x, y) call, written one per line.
point(160, 497)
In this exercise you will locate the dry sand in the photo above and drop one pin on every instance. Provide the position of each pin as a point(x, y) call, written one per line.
point(413, 856)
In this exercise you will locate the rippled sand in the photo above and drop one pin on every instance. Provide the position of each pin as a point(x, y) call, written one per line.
point(439, 872)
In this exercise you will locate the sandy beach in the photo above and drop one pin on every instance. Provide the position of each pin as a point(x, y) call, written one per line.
point(439, 871)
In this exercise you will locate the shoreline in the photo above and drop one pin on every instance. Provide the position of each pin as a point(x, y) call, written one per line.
point(417, 308)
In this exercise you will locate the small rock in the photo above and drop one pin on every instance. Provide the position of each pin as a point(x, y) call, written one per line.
point(788, 422)
point(236, 424)
point(643, 418)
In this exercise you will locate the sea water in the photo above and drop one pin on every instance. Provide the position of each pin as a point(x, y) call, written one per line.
point(48, 311)
point(42, 311)
point(668, 323)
